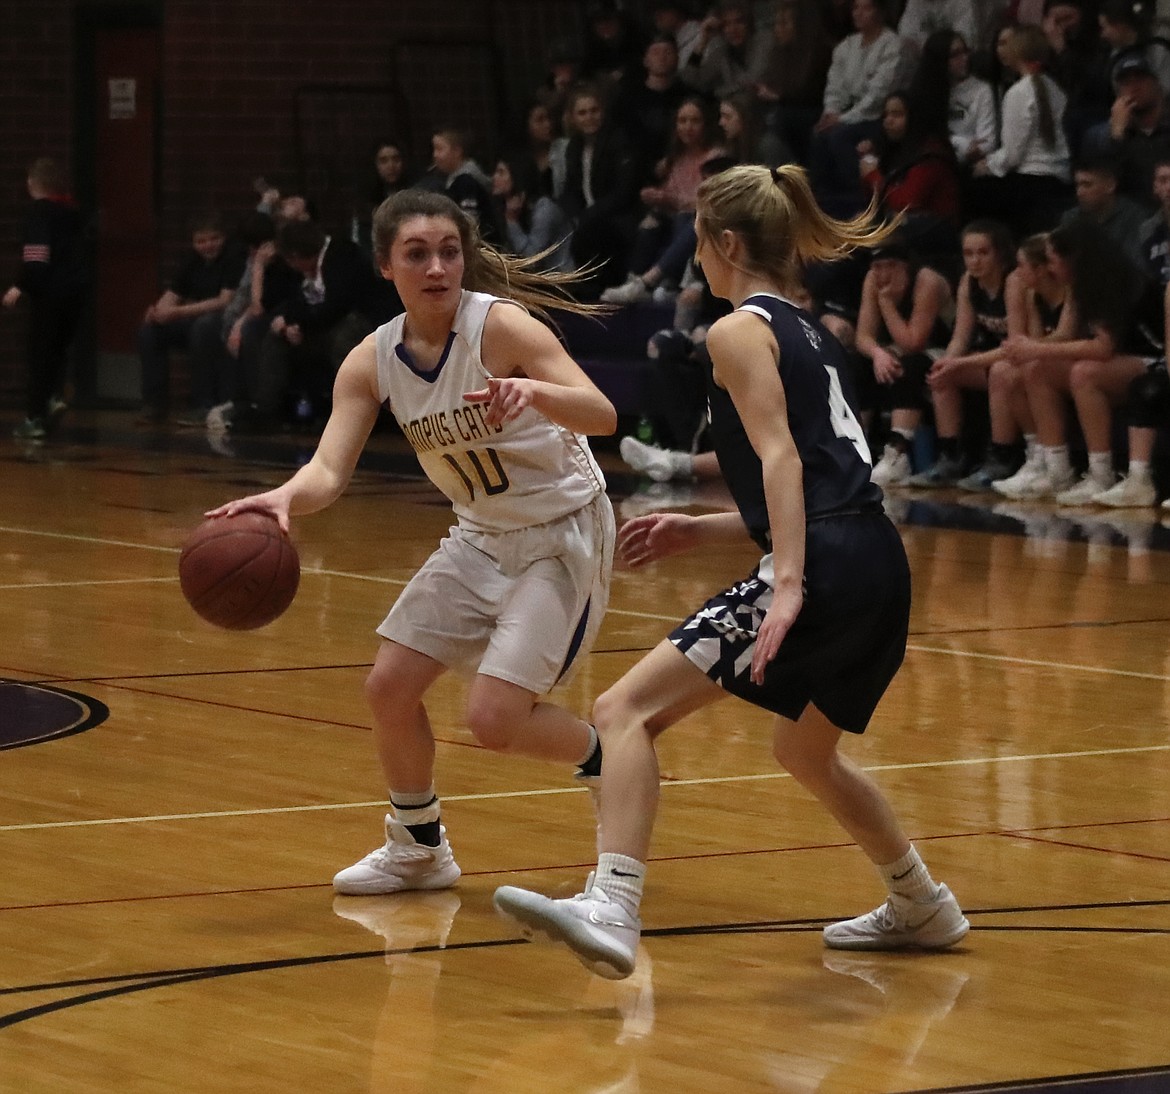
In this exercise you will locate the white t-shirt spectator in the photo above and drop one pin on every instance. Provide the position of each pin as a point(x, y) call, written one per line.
point(1021, 147)
point(921, 18)
point(861, 76)
point(972, 117)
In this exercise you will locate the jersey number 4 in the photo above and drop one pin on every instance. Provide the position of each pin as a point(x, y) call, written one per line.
point(470, 469)
point(845, 424)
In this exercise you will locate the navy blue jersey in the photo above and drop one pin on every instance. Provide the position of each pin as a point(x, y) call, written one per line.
point(990, 316)
point(821, 418)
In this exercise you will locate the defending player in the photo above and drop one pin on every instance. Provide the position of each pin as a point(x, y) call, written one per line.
point(497, 413)
point(814, 634)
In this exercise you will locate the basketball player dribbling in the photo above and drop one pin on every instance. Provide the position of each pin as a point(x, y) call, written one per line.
point(497, 413)
point(815, 634)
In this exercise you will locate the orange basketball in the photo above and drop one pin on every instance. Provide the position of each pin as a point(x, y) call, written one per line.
point(239, 572)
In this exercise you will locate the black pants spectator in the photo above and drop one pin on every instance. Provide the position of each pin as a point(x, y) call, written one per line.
point(284, 373)
point(156, 341)
point(52, 326)
point(677, 389)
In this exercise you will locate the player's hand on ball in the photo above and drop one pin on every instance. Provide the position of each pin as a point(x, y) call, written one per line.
point(273, 503)
point(506, 397)
point(653, 536)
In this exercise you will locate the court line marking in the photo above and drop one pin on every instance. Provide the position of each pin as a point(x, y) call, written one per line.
point(502, 794)
point(95, 581)
point(1031, 662)
point(612, 611)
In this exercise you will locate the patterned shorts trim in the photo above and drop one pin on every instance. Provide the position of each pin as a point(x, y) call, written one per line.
point(720, 637)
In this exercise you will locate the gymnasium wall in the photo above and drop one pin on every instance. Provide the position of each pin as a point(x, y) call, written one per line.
point(292, 90)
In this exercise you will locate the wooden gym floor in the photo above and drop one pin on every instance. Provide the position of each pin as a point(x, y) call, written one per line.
point(165, 897)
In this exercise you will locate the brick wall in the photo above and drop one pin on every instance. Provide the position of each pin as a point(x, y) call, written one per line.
point(294, 90)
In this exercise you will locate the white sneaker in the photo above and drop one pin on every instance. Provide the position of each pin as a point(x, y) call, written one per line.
point(1042, 484)
point(400, 864)
point(655, 462)
point(893, 469)
point(1032, 466)
point(219, 417)
point(901, 924)
point(1128, 493)
point(600, 931)
point(1082, 492)
point(634, 291)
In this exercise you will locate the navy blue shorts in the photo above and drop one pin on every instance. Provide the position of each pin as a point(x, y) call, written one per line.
point(847, 642)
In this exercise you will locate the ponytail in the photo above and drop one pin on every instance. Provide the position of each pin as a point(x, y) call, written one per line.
point(783, 228)
point(1044, 103)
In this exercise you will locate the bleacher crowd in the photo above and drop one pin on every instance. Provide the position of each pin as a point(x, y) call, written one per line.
point(1025, 145)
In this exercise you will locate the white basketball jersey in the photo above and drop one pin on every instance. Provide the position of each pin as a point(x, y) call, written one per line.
point(498, 477)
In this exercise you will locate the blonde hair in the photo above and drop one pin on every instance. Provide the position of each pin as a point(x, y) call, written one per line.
point(484, 268)
point(1035, 249)
point(774, 212)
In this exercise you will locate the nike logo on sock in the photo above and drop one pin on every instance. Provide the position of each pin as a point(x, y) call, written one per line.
point(898, 877)
point(622, 873)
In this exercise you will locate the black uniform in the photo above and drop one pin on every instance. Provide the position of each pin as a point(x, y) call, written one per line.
point(850, 636)
point(53, 275)
point(990, 316)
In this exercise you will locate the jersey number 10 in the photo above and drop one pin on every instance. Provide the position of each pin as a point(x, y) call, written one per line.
point(470, 469)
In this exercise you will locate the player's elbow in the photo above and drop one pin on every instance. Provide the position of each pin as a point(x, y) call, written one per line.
point(607, 421)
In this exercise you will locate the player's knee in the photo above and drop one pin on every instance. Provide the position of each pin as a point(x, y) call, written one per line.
point(385, 692)
point(807, 768)
point(607, 713)
point(493, 726)
point(376, 685)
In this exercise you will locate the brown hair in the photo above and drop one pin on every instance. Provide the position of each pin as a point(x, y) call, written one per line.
point(783, 228)
point(485, 269)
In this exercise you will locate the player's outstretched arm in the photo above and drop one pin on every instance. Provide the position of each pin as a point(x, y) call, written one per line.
point(654, 536)
point(532, 369)
point(325, 476)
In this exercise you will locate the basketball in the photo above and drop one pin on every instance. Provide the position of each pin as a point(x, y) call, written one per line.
point(239, 572)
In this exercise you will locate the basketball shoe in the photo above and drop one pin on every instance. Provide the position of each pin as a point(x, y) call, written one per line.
point(893, 469)
point(598, 929)
point(902, 924)
point(402, 863)
point(1132, 492)
point(657, 463)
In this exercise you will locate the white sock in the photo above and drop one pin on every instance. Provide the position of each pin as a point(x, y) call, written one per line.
point(620, 878)
point(682, 465)
point(590, 749)
point(909, 877)
point(415, 807)
point(1101, 468)
point(1139, 470)
point(1056, 460)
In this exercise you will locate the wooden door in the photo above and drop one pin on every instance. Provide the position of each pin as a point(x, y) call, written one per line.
point(127, 72)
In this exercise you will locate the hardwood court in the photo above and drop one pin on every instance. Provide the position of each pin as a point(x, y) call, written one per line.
point(165, 904)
